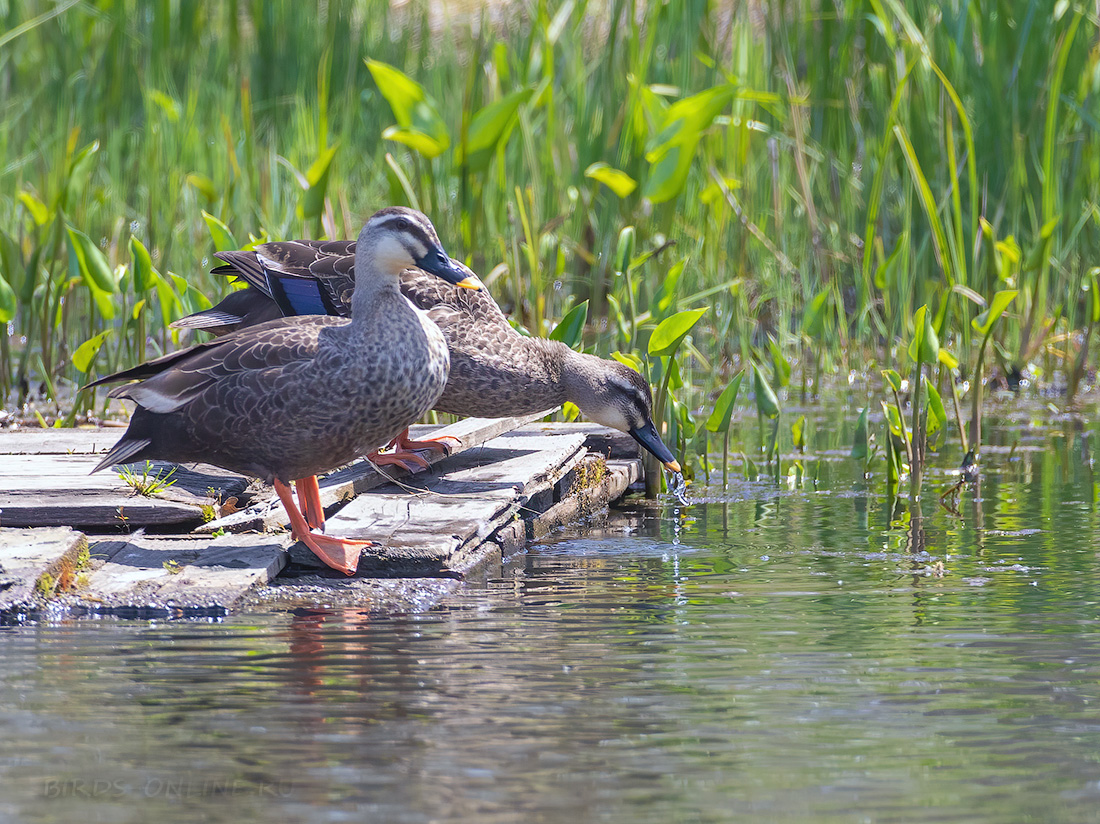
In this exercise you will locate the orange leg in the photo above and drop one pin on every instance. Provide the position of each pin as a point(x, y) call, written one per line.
point(309, 499)
point(409, 461)
point(404, 456)
point(403, 443)
point(338, 553)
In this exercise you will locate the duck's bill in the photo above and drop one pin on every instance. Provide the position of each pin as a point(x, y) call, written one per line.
point(437, 263)
point(647, 436)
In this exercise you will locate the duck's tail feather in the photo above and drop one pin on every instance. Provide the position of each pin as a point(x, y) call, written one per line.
point(121, 452)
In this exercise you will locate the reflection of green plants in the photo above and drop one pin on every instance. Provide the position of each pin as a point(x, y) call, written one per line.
point(147, 483)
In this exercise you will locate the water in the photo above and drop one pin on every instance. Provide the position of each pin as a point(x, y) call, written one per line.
point(784, 653)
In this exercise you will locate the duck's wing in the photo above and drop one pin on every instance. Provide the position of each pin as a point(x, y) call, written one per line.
point(244, 307)
point(171, 381)
point(303, 277)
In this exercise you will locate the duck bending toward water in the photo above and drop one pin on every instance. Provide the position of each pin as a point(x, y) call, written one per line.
point(495, 371)
point(288, 398)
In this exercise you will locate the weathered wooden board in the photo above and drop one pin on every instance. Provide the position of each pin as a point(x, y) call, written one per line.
point(56, 490)
point(345, 484)
point(28, 555)
point(85, 441)
point(177, 575)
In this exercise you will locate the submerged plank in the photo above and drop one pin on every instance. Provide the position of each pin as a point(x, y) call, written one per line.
point(177, 575)
point(343, 485)
point(34, 561)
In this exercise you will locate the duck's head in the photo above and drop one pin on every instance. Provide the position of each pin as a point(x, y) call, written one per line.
point(612, 394)
point(397, 238)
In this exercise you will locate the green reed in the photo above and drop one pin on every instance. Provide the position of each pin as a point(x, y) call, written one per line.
point(812, 172)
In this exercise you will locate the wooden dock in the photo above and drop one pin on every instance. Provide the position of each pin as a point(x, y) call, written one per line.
point(205, 542)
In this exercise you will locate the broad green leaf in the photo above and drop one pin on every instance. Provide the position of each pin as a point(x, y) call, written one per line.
point(7, 301)
point(312, 202)
point(798, 433)
point(631, 360)
point(1094, 280)
point(984, 322)
point(167, 104)
point(668, 173)
point(571, 328)
point(672, 149)
point(1041, 250)
point(617, 181)
point(92, 263)
point(204, 186)
point(780, 365)
point(925, 346)
point(219, 232)
point(767, 404)
point(937, 420)
point(624, 249)
point(570, 411)
point(420, 125)
point(893, 419)
point(86, 352)
point(893, 379)
point(671, 331)
point(144, 274)
point(685, 120)
point(720, 416)
point(668, 292)
point(813, 321)
point(38, 210)
point(947, 359)
point(170, 307)
point(81, 168)
point(489, 128)
point(13, 269)
point(860, 442)
point(416, 140)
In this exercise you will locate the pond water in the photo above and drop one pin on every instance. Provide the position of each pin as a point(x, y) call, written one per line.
point(776, 652)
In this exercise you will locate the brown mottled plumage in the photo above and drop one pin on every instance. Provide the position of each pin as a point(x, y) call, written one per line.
point(291, 397)
point(495, 371)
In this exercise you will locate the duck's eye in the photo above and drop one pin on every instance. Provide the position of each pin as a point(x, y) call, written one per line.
point(403, 225)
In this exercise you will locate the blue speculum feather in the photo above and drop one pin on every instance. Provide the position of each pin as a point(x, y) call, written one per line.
point(300, 296)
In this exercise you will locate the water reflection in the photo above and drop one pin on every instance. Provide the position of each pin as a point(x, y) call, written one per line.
point(813, 652)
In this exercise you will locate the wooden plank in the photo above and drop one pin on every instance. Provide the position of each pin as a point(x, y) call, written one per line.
point(33, 561)
point(595, 484)
point(56, 490)
point(599, 439)
point(343, 485)
point(93, 440)
point(582, 493)
point(177, 575)
point(476, 494)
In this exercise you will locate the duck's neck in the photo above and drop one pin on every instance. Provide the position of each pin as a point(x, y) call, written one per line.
point(579, 373)
point(374, 287)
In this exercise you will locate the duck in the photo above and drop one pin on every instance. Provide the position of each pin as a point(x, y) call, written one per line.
point(495, 371)
point(285, 399)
